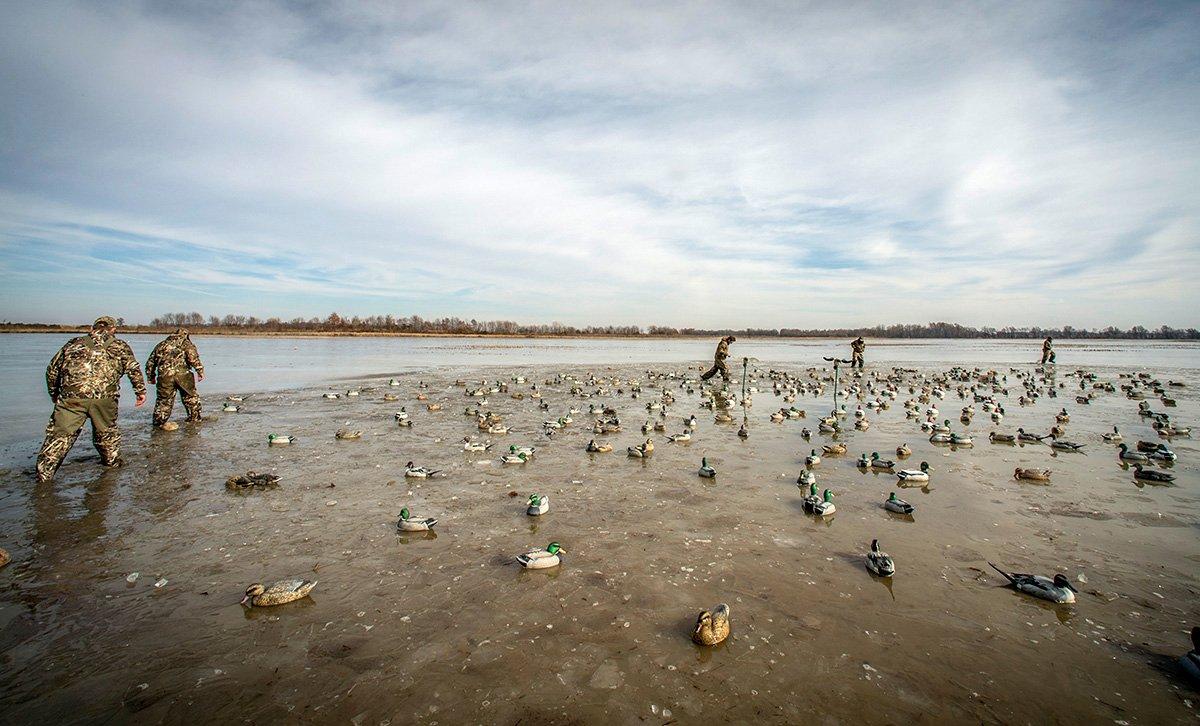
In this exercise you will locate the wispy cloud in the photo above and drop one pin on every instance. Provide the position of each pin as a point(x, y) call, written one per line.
point(693, 164)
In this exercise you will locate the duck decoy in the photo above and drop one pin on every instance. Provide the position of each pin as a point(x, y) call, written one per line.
point(418, 472)
point(879, 562)
point(1126, 455)
point(1032, 474)
point(538, 505)
point(595, 448)
point(998, 438)
point(542, 559)
point(898, 505)
point(407, 523)
point(812, 459)
point(706, 471)
point(280, 439)
point(347, 434)
point(641, 451)
point(279, 593)
point(825, 507)
point(1114, 438)
point(1057, 590)
point(921, 474)
point(712, 627)
point(903, 450)
point(1190, 662)
point(1152, 475)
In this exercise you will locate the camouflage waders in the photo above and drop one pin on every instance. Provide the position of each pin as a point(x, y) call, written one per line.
point(164, 402)
point(67, 420)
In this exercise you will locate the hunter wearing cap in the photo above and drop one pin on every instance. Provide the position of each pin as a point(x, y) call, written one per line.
point(169, 368)
point(83, 380)
point(719, 359)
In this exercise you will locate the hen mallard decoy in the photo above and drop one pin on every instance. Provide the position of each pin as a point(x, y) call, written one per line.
point(712, 627)
point(418, 472)
point(641, 451)
point(407, 523)
point(706, 471)
point(903, 450)
point(348, 434)
point(281, 592)
point(998, 438)
point(834, 449)
point(542, 559)
point(1151, 474)
point(1032, 474)
point(898, 505)
point(538, 505)
point(921, 474)
point(1057, 590)
point(879, 562)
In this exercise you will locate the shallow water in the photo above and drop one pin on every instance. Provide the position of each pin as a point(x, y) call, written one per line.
point(447, 629)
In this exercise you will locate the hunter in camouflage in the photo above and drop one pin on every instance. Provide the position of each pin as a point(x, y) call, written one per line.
point(719, 357)
point(170, 367)
point(857, 347)
point(83, 380)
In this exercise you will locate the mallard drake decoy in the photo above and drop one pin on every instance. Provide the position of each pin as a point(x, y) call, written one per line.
point(407, 523)
point(806, 478)
point(280, 439)
point(281, 592)
point(1126, 455)
point(518, 458)
point(880, 463)
point(921, 474)
point(879, 562)
point(825, 507)
point(812, 459)
point(595, 448)
point(898, 505)
point(1057, 590)
point(231, 408)
point(961, 439)
point(542, 559)
point(1032, 474)
point(418, 472)
point(939, 438)
point(469, 445)
point(641, 451)
point(743, 432)
point(903, 450)
point(526, 450)
point(1057, 443)
point(347, 434)
point(712, 627)
point(1190, 662)
point(538, 505)
point(1151, 474)
point(810, 502)
point(706, 471)
point(1114, 438)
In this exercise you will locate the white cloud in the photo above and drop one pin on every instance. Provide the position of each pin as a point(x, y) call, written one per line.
point(695, 164)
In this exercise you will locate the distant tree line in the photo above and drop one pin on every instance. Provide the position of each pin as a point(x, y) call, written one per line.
point(458, 326)
point(415, 324)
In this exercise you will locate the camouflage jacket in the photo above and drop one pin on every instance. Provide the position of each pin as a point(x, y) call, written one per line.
point(722, 350)
point(91, 366)
point(858, 346)
point(174, 356)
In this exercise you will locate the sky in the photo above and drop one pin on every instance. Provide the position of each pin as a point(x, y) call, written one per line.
point(704, 164)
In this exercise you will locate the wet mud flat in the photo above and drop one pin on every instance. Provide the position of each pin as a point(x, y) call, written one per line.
point(445, 627)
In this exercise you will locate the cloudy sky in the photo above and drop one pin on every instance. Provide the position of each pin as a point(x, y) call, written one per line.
point(699, 163)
